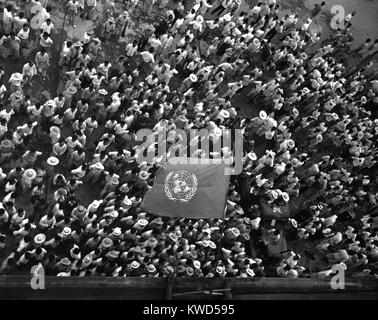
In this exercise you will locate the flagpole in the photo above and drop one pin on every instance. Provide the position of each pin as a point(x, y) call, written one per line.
point(217, 256)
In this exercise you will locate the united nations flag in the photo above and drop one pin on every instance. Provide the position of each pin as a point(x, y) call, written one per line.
point(189, 190)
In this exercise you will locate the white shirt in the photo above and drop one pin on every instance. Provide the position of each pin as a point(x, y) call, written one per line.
point(23, 34)
point(147, 57)
point(47, 28)
point(130, 50)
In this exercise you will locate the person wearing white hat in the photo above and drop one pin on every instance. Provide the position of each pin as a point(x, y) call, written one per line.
point(95, 171)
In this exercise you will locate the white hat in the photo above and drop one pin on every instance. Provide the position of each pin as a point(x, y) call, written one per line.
point(250, 272)
point(252, 156)
point(224, 114)
point(40, 238)
point(193, 77)
point(114, 179)
point(189, 271)
point(144, 175)
point(219, 269)
point(30, 174)
point(67, 231)
point(54, 130)
point(200, 19)
point(212, 245)
point(291, 143)
point(113, 214)
point(335, 116)
point(151, 268)
point(232, 24)
point(218, 132)
point(107, 242)
point(94, 205)
point(98, 165)
point(227, 17)
point(343, 265)
point(53, 161)
point(263, 115)
point(319, 138)
point(127, 202)
point(87, 260)
point(103, 92)
point(135, 265)
point(117, 231)
point(285, 196)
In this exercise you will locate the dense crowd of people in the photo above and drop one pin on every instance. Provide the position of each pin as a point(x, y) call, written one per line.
point(317, 127)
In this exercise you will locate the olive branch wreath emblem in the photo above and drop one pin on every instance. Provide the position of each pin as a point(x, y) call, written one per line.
point(188, 196)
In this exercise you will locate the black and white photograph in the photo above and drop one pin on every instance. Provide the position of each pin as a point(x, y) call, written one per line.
point(207, 151)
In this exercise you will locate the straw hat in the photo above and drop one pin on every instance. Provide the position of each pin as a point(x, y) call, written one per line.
point(81, 209)
point(95, 205)
point(197, 264)
point(87, 260)
point(40, 238)
point(30, 174)
point(335, 116)
point(124, 188)
point(211, 244)
point(107, 242)
point(173, 237)
point(152, 242)
point(142, 222)
point(54, 130)
point(218, 132)
point(6, 143)
point(294, 223)
point(144, 175)
point(127, 202)
point(117, 232)
point(71, 90)
point(224, 114)
point(291, 144)
point(343, 265)
point(103, 92)
point(65, 261)
point(66, 231)
point(113, 214)
point(285, 196)
point(114, 254)
point(256, 42)
point(193, 254)
point(219, 270)
point(232, 24)
point(151, 268)
point(263, 115)
point(189, 271)
point(227, 17)
point(193, 77)
point(53, 161)
point(250, 272)
point(252, 156)
point(114, 180)
point(235, 232)
point(199, 19)
point(274, 194)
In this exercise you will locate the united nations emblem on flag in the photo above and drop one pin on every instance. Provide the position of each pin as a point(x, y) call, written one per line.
point(180, 185)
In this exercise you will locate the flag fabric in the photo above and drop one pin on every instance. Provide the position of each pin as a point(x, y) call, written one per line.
point(188, 190)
